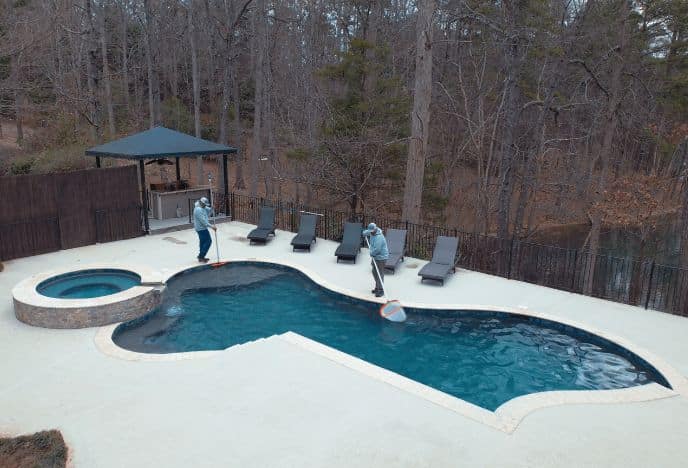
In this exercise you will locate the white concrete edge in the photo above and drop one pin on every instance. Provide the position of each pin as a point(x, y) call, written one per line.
point(104, 343)
point(506, 418)
point(26, 293)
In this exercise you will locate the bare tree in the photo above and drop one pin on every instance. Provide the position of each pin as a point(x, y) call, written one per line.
point(420, 115)
point(106, 72)
point(196, 80)
point(259, 22)
point(611, 121)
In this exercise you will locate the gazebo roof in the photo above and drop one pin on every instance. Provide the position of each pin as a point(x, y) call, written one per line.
point(158, 142)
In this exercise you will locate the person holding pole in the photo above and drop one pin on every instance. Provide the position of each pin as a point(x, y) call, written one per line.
point(201, 224)
point(378, 256)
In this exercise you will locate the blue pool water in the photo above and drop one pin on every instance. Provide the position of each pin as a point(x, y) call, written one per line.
point(85, 284)
point(486, 358)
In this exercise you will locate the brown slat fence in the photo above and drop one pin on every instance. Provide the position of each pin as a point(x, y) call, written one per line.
point(641, 282)
point(48, 212)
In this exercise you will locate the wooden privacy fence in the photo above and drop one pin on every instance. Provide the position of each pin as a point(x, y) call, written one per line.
point(47, 212)
point(641, 282)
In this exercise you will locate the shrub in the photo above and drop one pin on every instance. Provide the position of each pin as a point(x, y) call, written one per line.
point(66, 158)
point(21, 165)
point(62, 159)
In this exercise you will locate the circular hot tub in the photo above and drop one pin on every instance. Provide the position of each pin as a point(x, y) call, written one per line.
point(84, 297)
point(86, 284)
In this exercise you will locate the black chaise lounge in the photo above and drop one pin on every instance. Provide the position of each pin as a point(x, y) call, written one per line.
point(396, 244)
point(306, 234)
point(266, 226)
point(351, 242)
point(443, 260)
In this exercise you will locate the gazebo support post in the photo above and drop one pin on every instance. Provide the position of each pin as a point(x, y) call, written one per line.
point(144, 195)
point(98, 162)
point(225, 178)
point(179, 177)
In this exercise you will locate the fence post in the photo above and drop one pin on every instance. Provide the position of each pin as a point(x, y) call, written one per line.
point(326, 230)
point(232, 207)
point(575, 265)
point(95, 216)
point(649, 284)
point(511, 253)
point(291, 221)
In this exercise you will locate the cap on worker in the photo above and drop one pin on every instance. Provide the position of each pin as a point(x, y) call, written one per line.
point(205, 201)
point(372, 228)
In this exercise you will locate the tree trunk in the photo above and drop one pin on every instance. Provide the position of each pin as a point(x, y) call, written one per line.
point(512, 111)
point(610, 123)
point(224, 104)
point(222, 124)
point(269, 173)
point(196, 89)
point(420, 115)
point(371, 38)
point(684, 206)
point(18, 98)
point(530, 169)
point(236, 130)
point(149, 64)
point(174, 75)
point(125, 62)
point(90, 73)
point(106, 75)
point(19, 116)
point(259, 58)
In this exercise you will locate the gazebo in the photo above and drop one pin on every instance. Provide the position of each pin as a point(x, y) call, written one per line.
point(160, 143)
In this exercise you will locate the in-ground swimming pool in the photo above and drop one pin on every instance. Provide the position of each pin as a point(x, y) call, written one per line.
point(86, 284)
point(486, 358)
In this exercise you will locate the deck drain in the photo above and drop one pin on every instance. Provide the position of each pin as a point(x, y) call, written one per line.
point(239, 238)
point(411, 265)
point(174, 240)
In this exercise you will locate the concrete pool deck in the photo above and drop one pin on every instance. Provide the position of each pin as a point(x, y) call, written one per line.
point(271, 403)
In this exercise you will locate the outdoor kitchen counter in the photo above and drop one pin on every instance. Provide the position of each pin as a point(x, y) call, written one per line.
point(164, 204)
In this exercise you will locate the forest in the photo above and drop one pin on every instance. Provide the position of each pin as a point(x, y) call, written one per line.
point(505, 117)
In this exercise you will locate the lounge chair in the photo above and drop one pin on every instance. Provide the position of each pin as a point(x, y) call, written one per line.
point(396, 244)
point(266, 226)
point(306, 234)
point(351, 242)
point(443, 260)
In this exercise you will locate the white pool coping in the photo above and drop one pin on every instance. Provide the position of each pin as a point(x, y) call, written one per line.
point(273, 403)
point(26, 290)
point(506, 418)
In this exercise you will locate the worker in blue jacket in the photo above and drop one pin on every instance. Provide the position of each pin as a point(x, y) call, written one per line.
point(378, 255)
point(202, 210)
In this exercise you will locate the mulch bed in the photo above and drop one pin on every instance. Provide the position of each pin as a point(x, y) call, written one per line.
point(45, 449)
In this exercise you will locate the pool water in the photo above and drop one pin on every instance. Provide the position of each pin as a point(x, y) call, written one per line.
point(86, 284)
point(486, 358)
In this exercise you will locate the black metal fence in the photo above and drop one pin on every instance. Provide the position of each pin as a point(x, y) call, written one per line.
point(641, 282)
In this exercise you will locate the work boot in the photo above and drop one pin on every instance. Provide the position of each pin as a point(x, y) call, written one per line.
point(378, 294)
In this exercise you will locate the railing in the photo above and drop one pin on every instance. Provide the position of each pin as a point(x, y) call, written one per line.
point(641, 282)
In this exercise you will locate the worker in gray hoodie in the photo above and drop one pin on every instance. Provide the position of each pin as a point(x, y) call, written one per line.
point(379, 253)
point(202, 210)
